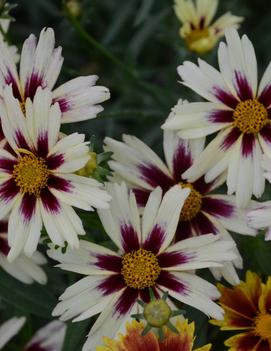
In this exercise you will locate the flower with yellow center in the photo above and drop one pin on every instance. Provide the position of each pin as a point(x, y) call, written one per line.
point(197, 30)
point(134, 340)
point(247, 312)
point(238, 107)
point(146, 260)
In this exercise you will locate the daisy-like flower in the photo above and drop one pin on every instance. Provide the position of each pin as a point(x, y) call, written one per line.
point(203, 211)
point(37, 182)
point(238, 108)
point(4, 23)
point(248, 312)
point(197, 30)
point(48, 338)
point(115, 280)
point(9, 329)
point(23, 268)
point(133, 339)
point(40, 65)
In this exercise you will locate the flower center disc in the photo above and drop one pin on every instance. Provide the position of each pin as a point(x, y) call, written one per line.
point(140, 269)
point(263, 326)
point(157, 313)
point(192, 204)
point(250, 116)
point(200, 40)
point(31, 174)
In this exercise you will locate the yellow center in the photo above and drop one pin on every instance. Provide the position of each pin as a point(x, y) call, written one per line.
point(263, 326)
point(200, 40)
point(31, 174)
point(192, 204)
point(250, 116)
point(157, 313)
point(140, 269)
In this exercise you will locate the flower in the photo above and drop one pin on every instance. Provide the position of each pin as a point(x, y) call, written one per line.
point(48, 338)
point(38, 184)
point(40, 66)
point(23, 268)
point(198, 32)
point(146, 259)
point(133, 339)
point(203, 211)
point(248, 312)
point(238, 108)
point(9, 329)
point(4, 23)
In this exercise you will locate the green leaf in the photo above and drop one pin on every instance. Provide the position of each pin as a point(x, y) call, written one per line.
point(34, 299)
point(143, 12)
point(76, 332)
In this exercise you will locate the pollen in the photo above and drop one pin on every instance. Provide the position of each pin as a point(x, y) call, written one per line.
point(192, 204)
point(263, 325)
point(250, 116)
point(157, 313)
point(140, 269)
point(31, 174)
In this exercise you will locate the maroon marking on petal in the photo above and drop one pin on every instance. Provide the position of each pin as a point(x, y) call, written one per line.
point(50, 202)
point(202, 225)
point(2, 136)
point(55, 161)
point(141, 196)
point(182, 160)
point(217, 207)
point(32, 85)
point(192, 26)
point(265, 96)
point(37, 347)
point(266, 133)
point(64, 104)
point(155, 239)
point(248, 143)
point(8, 190)
point(184, 231)
point(230, 139)
point(4, 248)
point(129, 238)
point(59, 183)
point(169, 281)
point(248, 341)
point(111, 284)
point(42, 145)
point(202, 22)
point(7, 165)
point(3, 226)
point(225, 97)
point(244, 90)
point(20, 140)
point(126, 301)
point(202, 186)
point(155, 177)
point(9, 79)
point(171, 259)
point(109, 262)
point(221, 116)
point(28, 206)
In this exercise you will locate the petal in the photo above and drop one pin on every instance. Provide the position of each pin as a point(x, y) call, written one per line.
point(10, 329)
point(245, 341)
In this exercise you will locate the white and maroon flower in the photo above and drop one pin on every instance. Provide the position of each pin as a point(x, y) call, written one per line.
point(145, 258)
point(48, 338)
point(237, 107)
point(37, 180)
point(26, 269)
point(203, 211)
point(40, 65)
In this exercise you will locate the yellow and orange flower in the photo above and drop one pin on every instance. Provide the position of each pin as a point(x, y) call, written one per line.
point(248, 311)
point(134, 341)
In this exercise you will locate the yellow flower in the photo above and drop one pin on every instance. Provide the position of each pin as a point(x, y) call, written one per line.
point(198, 32)
point(248, 312)
point(134, 341)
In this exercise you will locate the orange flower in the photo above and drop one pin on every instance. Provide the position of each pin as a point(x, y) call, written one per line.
point(134, 341)
point(247, 310)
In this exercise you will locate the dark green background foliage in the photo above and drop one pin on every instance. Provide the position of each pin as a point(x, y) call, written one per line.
point(134, 46)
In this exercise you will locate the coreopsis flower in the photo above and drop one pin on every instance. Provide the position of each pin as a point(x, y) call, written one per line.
point(4, 23)
point(26, 269)
point(48, 338)
point(40, 65)
point(9, 329)
point(197, 30)
point(146, 259)
point(203, 211)
point(237, 107)
point(248, 313)
point(38, 185)
point(133, 339)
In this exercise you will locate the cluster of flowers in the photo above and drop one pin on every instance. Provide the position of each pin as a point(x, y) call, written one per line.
point(165, 218)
